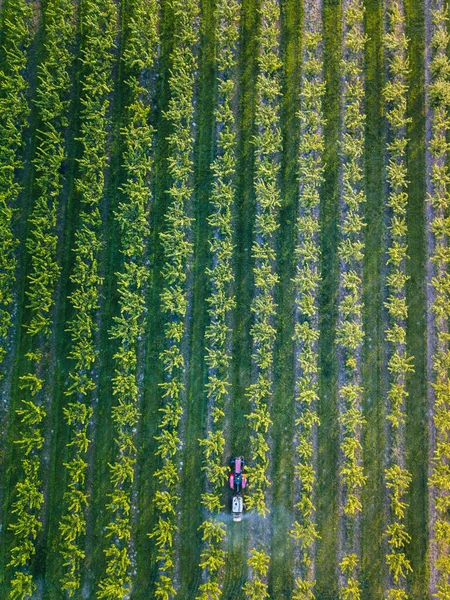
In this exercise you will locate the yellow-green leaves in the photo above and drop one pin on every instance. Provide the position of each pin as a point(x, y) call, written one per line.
point(99, 32)
point(399, 363)
point(438, 199)
point(177, 250)
point(350, 334)
point(306, 282)
point(14, 112)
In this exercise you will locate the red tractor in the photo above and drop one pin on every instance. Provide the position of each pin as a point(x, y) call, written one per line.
point(238, 482)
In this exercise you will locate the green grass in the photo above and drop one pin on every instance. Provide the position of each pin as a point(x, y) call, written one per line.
point(236, 568)
point(103, 450)
point(373, 555)
point(154, 335)
point(69, 208)
point(327, 516)
point(416, 406)
point(193, 478)
point(48, 566)
point(25, 201)
point(282, 473)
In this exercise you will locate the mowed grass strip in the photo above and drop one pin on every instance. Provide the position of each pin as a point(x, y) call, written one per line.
point(243, 218)
point(328, 440)
point(281, 469)
point(373, 568)
point(416, 435)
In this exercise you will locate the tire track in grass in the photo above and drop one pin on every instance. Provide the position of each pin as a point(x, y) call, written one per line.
point(237, 537)
point(280, 571)
point(328, 444)
point(373, 571)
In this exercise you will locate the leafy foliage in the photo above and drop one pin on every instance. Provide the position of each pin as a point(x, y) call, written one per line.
point(221, 301)
point(400, 363)
point(349, 336)
point(267, 144)
point(139, 57)
point(53, 104)
point(14, 113)
point(439, 199)
point(256, 588)
point(306, 281)
point(99, 22)
point(177, 249)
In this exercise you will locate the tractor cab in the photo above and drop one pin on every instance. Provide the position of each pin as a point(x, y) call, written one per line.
point(238, 480)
